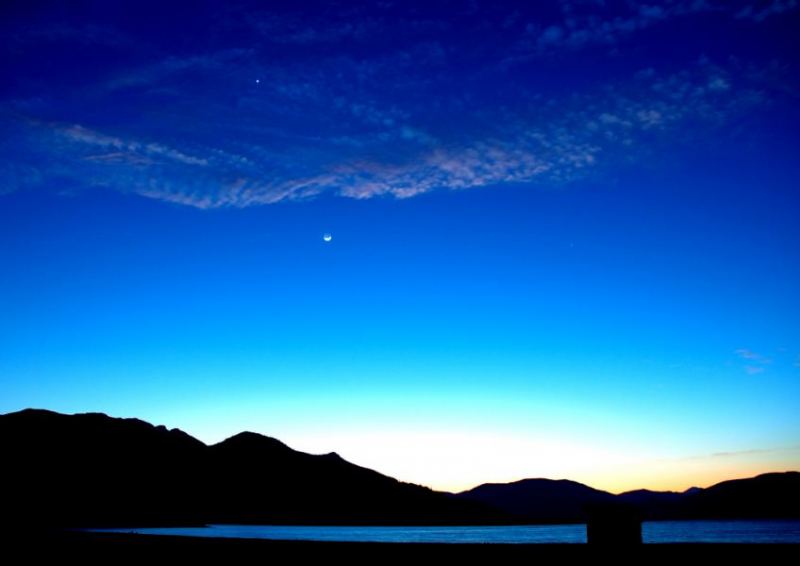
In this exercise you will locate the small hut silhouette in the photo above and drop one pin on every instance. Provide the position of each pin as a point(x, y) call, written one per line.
point(613, 524)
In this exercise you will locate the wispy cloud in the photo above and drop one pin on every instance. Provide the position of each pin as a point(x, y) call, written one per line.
point(557, 142)
point(746, 354)
point(754, 451)
point(278, 106)
point(585, 24)
point(172, 66)
point(134, 152)
point(760, 11)
point(744, 453)
point(63, 32)
point(755, 362)
point(576, 29)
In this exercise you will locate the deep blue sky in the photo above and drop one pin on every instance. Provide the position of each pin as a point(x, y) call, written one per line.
point(565, 236)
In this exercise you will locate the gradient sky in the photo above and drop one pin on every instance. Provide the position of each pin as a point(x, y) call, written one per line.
point(565, 235)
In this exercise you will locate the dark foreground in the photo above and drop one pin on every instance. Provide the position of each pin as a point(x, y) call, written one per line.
point(115, 547)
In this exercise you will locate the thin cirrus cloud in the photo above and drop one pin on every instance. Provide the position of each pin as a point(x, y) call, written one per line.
point(752, 451)
point(760, 12)
point(231, 125)
point(580, 25)
point(560, 141)
point(124, 150)
point(755, 363)
point(747, 354)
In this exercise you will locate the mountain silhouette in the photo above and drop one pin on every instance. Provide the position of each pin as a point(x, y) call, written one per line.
point(768, 496)
point(539, 500)
point(94, 470)
point(657, 504)
point(774, 495)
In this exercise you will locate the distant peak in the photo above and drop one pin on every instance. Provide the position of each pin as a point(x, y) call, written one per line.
point(247, 438)
point(32, 411)
point(653, 492)
point(546, 481)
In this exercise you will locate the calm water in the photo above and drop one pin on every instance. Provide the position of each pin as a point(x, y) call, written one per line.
point(655, 532)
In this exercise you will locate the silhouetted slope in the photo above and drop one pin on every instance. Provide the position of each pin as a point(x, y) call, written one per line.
point(94, 470)
point(91, 469)
point(294, 487)
point(539, 500)
point(655, 504)
point(775, 495)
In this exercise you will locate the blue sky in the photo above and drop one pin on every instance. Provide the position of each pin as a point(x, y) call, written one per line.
point(564, 236)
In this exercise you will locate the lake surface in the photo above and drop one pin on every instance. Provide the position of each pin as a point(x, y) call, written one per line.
point(652, 532)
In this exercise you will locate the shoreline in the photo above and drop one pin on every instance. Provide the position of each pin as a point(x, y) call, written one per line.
point(115, 546)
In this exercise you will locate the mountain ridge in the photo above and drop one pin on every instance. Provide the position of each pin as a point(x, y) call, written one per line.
point(90, 469)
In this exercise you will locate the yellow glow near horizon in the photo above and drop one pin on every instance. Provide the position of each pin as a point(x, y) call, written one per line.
point(456, 455)
point(452, 461)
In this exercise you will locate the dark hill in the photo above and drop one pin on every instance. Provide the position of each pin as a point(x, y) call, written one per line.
point(295, 487)
point(775, 495)
point(540, 500)
point(91, 469)
point(655, 504)
point(94, 470)
point(768, 496)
